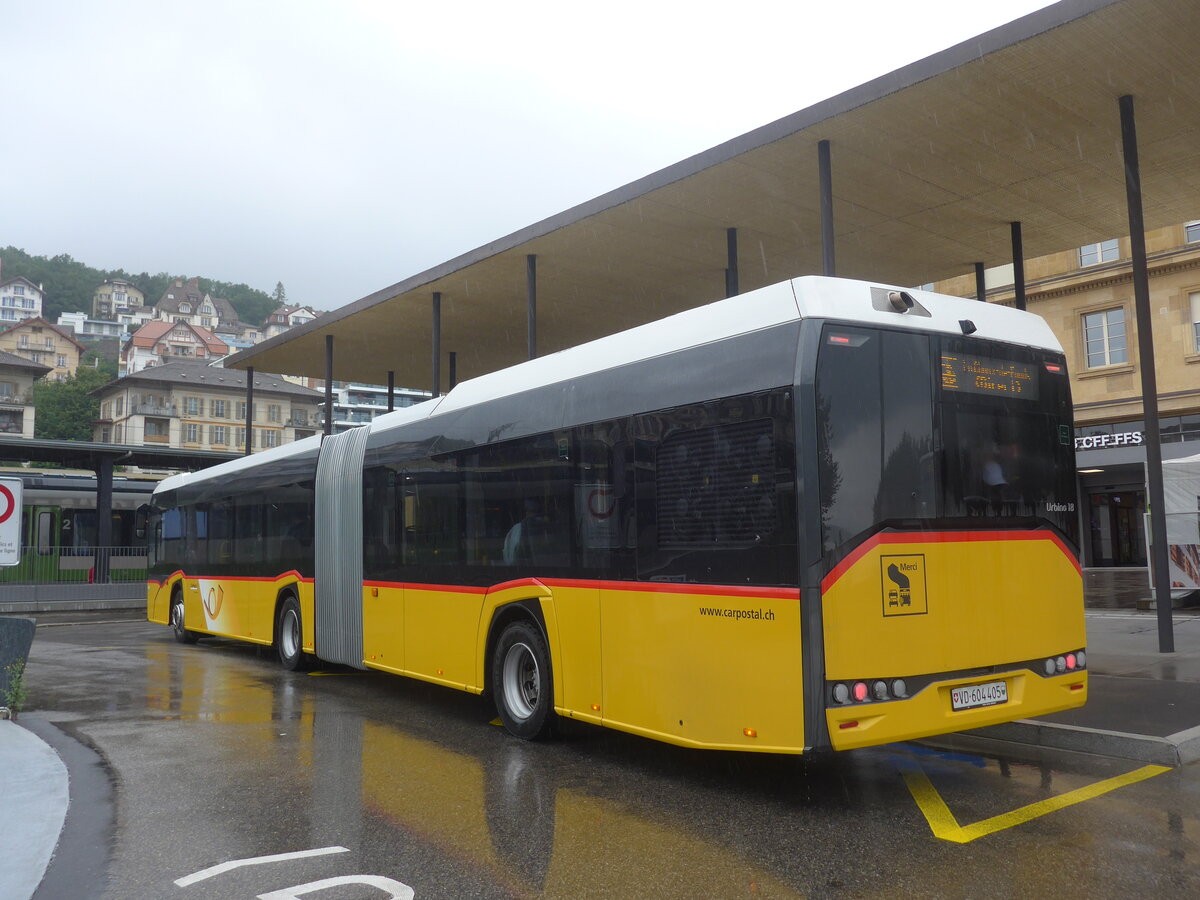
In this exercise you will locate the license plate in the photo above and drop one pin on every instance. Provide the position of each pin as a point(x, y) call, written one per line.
point(990, 694)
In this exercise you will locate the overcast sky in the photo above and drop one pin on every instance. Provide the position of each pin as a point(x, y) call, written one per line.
point(340, 147)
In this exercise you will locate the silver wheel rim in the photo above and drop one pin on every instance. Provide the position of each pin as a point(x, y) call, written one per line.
point(521, 681)
point(177, 616)
point(289, 634)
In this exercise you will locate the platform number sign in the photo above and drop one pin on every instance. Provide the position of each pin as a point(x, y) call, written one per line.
point(10, 522)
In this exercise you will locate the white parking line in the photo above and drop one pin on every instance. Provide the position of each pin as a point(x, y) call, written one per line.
point(254, 861)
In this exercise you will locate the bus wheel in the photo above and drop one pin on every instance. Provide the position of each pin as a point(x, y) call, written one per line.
point(521, 681)
point(290, 636)
point(182, 635)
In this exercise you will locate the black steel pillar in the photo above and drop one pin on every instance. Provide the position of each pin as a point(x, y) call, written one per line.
point(1159, 565)
point(329, 384)
point(980, 287)
point(391, 390)
point(437, 343)
point(731, 263)
point(1018, 254)
point(453, 369)
point(531, 294)
point(104, 538)
point(825, 173)
point(250, 409)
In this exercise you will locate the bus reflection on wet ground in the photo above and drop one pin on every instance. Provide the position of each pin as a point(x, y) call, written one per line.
point(218, 755)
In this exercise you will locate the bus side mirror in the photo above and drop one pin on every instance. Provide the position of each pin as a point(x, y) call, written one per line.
point(139, 521)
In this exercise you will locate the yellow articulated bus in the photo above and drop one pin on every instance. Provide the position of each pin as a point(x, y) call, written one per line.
point(826, 514)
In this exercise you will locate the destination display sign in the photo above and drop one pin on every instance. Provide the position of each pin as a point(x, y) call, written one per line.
point(994, 377)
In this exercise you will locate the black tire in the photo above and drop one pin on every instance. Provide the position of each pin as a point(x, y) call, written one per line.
point(521, 682)
point(289, 636)
point(182, 635)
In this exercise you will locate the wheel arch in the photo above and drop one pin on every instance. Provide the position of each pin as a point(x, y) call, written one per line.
point(284, 591)
point(530, 600)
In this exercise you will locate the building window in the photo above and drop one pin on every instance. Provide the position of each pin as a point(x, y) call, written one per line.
point(7, 389)
point(220, 435)
point(191, 406)
point(18, 289)
point(1191, 232)
point(119, 406)
point(1104, 337)
point(1105, 251)
point(62, 361)
point(270, 438)
point(220, 410)
point(192, 433)
point(239, 436)
point(274, 413)
point(1195, 298)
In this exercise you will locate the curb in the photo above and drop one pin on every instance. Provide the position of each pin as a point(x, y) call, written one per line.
point(1174, 750)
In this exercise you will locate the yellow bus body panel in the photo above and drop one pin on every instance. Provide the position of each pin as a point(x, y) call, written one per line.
point(158, 601)
point(573, 620)
point(729, 678)
point(383, 627)
point(439, 634)
point(973, 600)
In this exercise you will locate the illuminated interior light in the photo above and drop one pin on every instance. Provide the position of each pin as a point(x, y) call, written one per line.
point(749, 732)
point(838, 339)
point(1051, 367)
point(595, 707)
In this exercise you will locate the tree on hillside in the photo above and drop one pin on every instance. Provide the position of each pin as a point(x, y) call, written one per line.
point(102, 364)
point(65, 412)
point(252, 305)
point(280, 295)
point(70, 285)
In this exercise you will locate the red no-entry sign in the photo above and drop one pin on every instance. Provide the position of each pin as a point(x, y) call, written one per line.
point(10, 522)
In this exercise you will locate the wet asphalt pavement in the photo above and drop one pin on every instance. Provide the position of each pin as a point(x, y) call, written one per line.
point(213, 754)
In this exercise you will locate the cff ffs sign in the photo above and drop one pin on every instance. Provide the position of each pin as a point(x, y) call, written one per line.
point(10, 521)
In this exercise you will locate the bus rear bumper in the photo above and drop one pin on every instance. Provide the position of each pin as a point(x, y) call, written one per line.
point(930, 713)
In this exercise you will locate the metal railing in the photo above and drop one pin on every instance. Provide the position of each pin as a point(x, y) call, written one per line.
point(77, 565)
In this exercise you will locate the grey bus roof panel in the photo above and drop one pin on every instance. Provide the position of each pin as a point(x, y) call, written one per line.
point(305, 447)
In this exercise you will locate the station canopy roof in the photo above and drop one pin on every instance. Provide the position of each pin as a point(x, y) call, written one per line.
point(930, 165)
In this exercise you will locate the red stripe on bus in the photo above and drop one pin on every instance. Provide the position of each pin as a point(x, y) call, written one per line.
point(942, 537)
point(652, 587)
point(289, 574)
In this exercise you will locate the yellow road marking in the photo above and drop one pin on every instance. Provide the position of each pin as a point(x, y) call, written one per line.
point(944, 826)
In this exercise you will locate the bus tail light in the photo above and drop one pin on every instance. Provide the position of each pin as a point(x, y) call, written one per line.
point(1067, 662)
